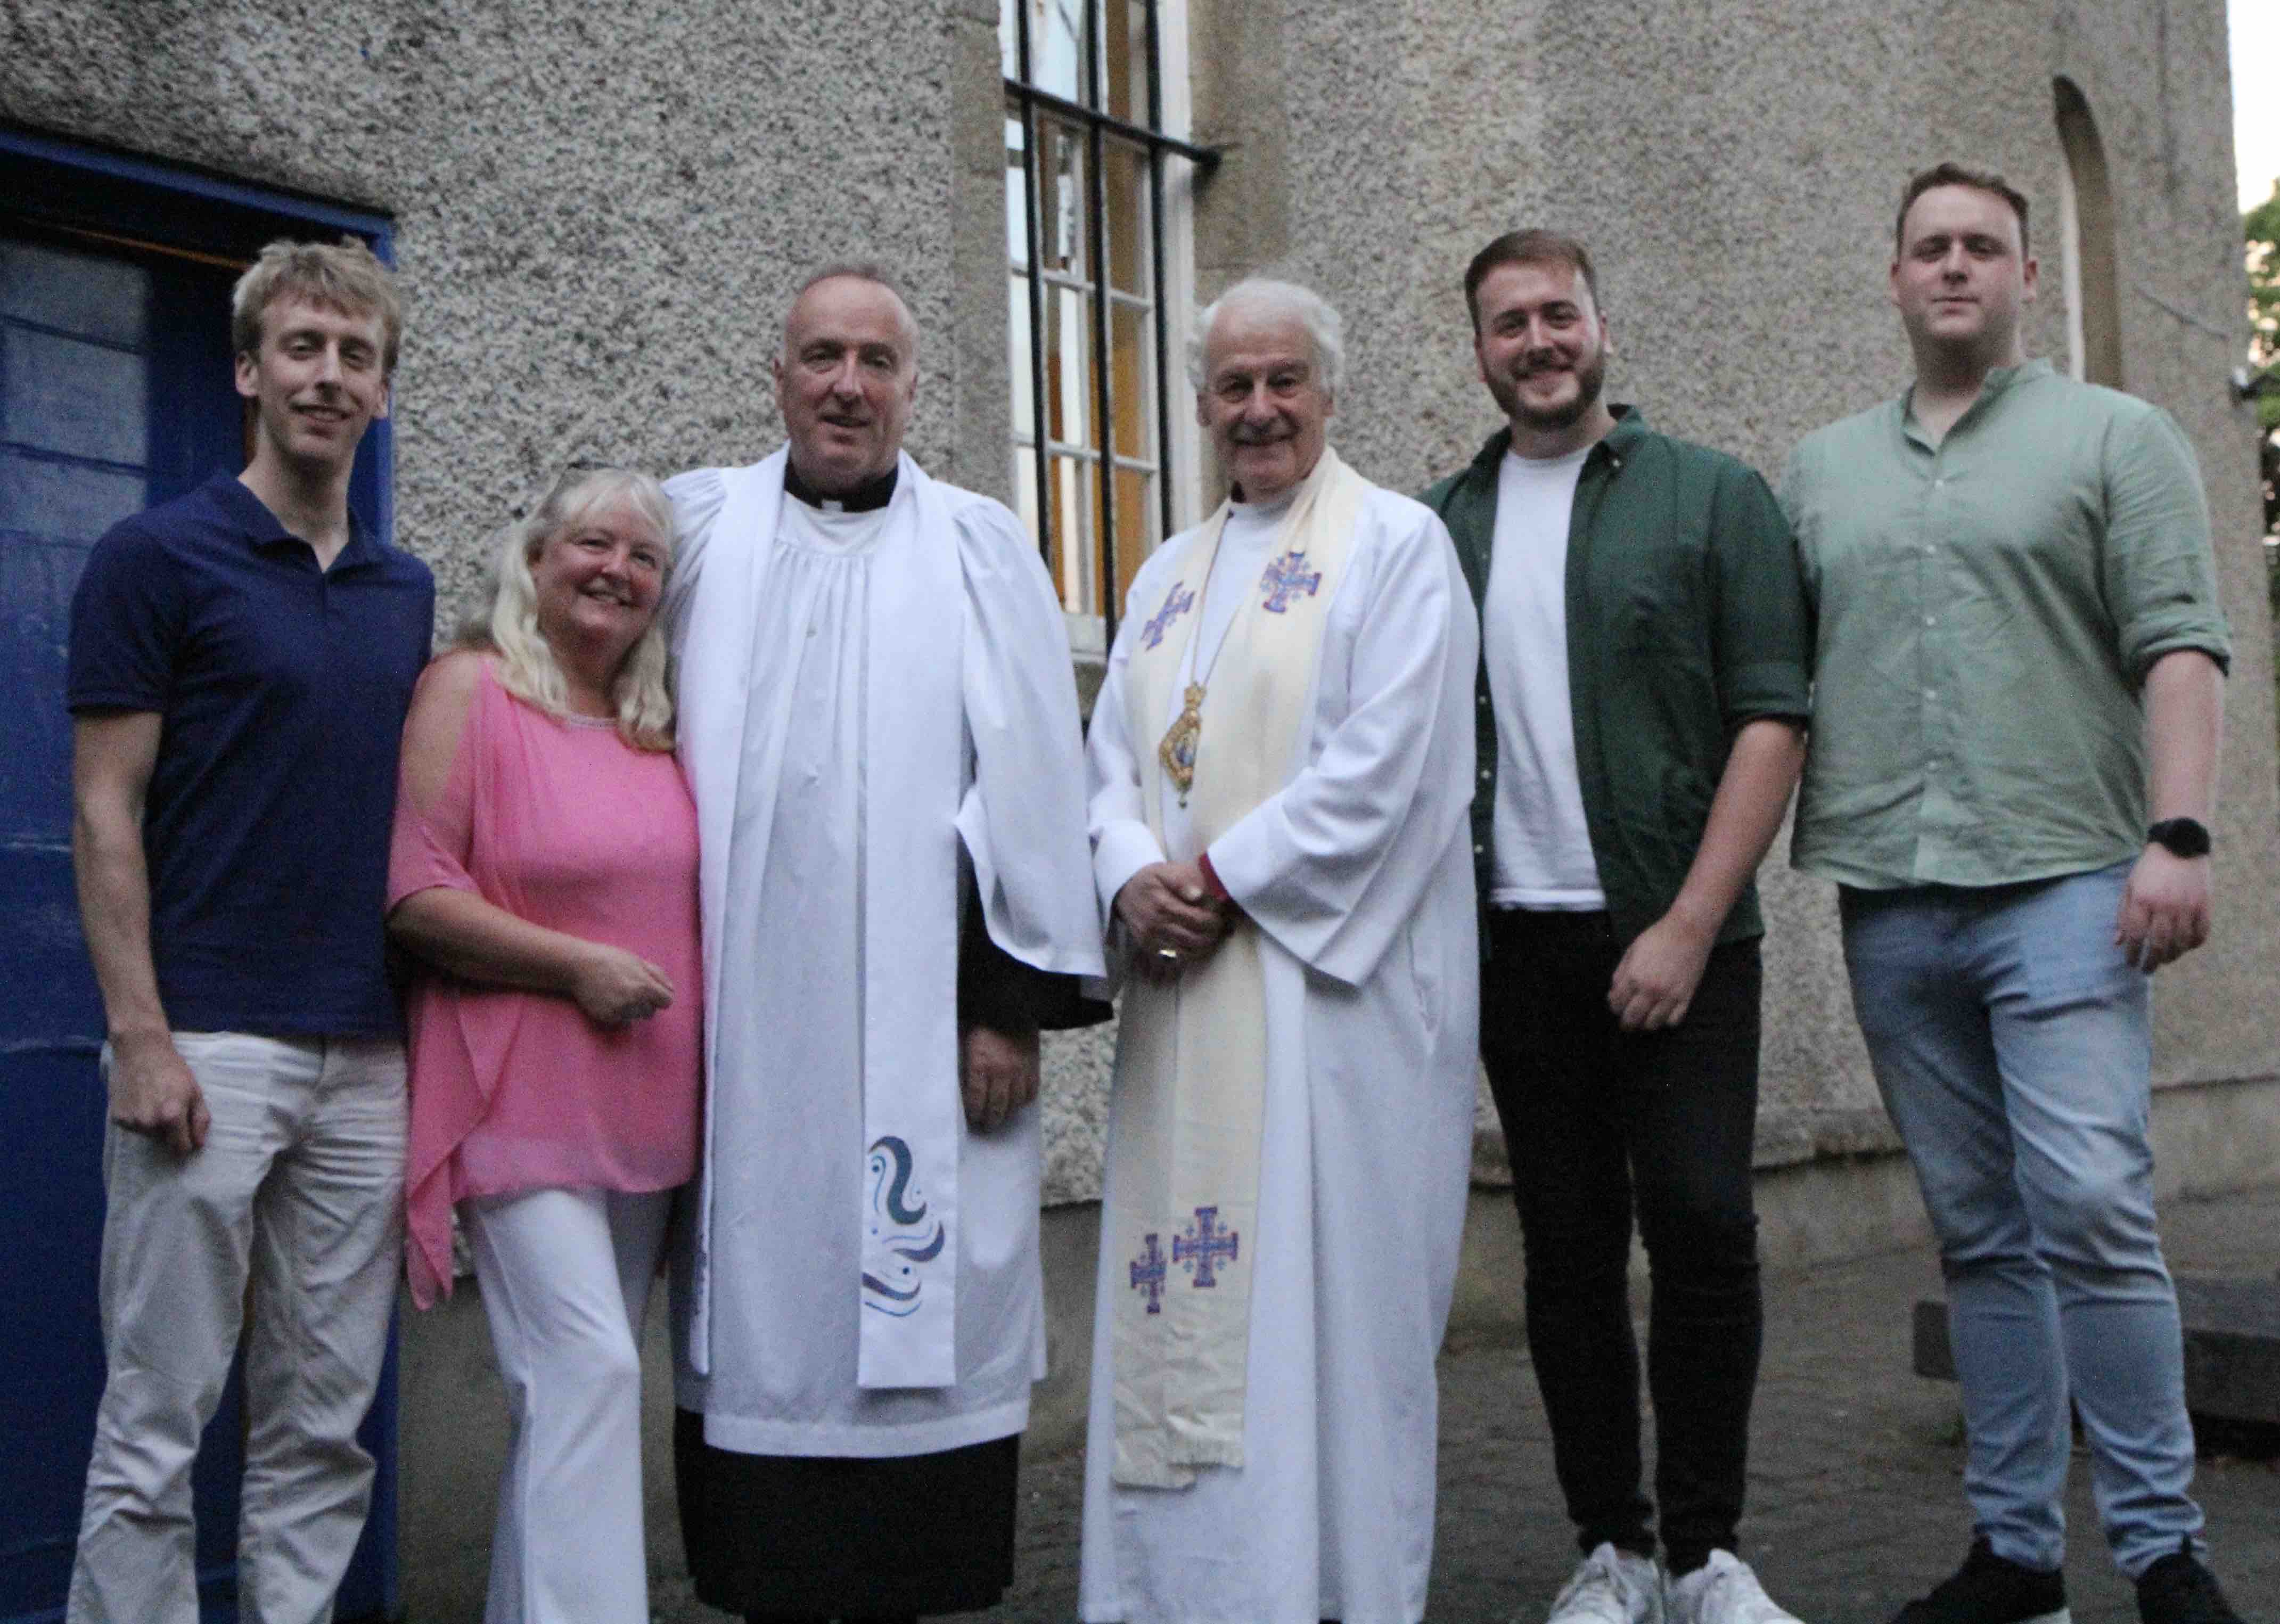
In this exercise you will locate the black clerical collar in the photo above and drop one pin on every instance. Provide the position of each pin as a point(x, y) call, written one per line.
point(870, 495)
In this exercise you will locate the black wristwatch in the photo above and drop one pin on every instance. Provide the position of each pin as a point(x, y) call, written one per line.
point(2180, 836)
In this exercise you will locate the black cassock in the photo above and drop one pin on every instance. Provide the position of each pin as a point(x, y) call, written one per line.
point(798, 1538)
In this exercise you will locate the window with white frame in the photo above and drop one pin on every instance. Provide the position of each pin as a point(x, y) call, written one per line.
point(1096, 178)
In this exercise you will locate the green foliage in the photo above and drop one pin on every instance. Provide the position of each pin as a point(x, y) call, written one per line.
point(2260, 226)
point(2261, 232)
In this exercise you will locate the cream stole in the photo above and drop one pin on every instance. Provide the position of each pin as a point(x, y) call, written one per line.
point(1191, 1056)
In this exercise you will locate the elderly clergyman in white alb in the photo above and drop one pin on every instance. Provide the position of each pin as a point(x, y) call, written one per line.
point(878, 722)
point(1280, 764)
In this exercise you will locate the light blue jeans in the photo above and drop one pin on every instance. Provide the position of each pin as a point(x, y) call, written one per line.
point(2011, 1041)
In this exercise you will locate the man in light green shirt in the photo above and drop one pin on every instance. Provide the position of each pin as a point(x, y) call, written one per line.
point(2018, 700)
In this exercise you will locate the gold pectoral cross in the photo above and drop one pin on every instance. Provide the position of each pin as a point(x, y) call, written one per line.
point(1177, 752)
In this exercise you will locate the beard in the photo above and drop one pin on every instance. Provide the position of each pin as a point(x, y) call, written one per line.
point(1591, 378)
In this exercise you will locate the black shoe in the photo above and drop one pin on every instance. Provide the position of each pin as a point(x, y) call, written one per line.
point(2178, 1589)
point(1992, 1589)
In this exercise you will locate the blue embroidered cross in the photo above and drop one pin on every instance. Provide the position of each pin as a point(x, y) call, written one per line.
point(1205, 1245)
point(1285, 578)
point(1148, 1271)
point(1176, 603)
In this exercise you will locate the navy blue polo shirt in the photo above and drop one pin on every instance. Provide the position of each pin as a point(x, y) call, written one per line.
point(282, 690)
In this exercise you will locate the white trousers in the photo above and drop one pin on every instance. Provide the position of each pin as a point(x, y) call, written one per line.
point(299, 1189)
point(565, 1276)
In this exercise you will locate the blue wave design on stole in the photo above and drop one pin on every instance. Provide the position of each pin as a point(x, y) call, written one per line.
point(898, 1224)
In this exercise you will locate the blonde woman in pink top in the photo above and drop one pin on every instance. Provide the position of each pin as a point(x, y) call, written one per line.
point(544, 871)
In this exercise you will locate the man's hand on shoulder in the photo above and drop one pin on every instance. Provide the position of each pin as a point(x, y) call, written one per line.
point(2165, 908)
point(154, 1093)
point(1655, 982)
point(997, 1074)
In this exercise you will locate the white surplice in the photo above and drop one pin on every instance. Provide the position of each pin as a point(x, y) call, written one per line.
point(1358, 875)
point(870, 703)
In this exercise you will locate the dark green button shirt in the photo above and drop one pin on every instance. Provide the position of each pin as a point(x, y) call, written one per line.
point(1987, 609)
point(1686, 618)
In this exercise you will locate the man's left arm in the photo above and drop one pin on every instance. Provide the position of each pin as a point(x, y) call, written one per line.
point(2159, 577)
point(2165, 909)
point(1022, 822)
point(1761, 642)
point(1004, 1007)
point(1000, 1051)
point(1655, 982)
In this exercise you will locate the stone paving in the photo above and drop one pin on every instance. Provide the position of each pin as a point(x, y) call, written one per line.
point(1856, 1498)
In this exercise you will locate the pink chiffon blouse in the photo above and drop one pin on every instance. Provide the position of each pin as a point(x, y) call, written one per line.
point(560, 822)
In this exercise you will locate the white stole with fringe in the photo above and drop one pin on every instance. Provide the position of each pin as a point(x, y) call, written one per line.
point(1191, 1055)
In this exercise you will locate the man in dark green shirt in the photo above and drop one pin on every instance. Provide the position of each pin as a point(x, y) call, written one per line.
point(1639, 712)
point(2021, 659)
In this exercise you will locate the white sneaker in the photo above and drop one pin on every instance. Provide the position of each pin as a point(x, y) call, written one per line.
point(1724, 1590)
point(1611, 1587)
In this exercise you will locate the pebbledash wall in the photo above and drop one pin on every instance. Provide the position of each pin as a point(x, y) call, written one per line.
point(1735, 167)
point(600, 212)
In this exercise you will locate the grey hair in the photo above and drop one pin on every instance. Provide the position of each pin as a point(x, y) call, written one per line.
point(505, 619)
point(861, 270)
point(1324, 328)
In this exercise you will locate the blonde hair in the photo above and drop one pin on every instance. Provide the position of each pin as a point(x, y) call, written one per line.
point(343, 276)
point(506, 621)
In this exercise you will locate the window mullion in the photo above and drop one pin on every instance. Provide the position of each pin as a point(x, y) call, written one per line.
point(1155, 77)
point(1096, 254)
point(1039, 428)
point(1156, 320)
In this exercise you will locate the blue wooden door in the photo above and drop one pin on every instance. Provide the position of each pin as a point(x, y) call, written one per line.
point(115, 394)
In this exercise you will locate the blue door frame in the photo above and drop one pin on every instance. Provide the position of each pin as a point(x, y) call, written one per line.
point(143, 334)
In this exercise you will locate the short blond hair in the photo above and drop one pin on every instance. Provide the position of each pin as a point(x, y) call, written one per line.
point(345, 276)
point(505, 622)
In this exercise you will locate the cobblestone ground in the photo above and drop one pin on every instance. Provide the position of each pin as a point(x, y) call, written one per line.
point(1856, 1495)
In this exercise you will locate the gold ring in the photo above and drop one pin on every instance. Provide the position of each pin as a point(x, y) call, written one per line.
point(1171, 953)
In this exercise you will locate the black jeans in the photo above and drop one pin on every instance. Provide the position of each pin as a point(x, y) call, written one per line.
point(1595, 1120)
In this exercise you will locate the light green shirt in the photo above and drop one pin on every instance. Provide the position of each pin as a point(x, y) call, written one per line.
point(1986, 609)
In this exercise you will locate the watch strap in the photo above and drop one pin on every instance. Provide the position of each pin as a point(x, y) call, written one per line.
point(2186, 837)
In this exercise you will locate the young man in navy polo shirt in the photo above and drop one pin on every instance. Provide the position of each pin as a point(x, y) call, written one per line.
point(241, 660)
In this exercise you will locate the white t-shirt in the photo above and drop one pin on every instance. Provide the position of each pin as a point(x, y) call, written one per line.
point(1543, 846)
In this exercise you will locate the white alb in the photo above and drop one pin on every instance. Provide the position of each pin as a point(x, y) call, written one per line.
point(1356, 875)
point(875, 717)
